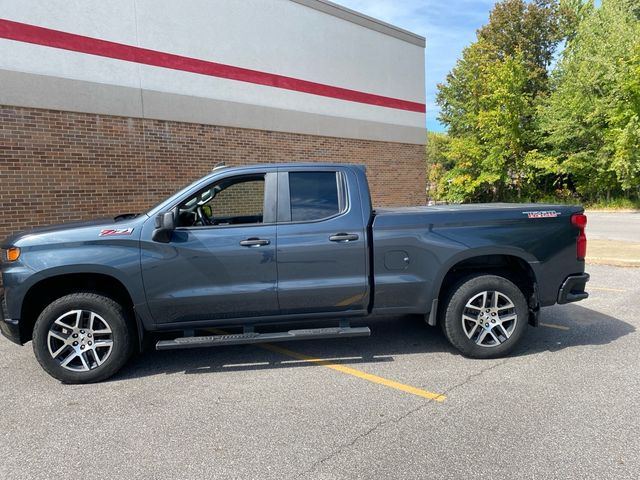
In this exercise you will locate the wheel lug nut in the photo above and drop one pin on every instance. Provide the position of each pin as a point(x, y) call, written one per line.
point(81, 347)
point(486, 324)
point(493, 314)
point(75, 335)
point(90, 343)
point(81, 331)
point(493, 320)
point(89, 335)
point(75, 344)
point(487, 310)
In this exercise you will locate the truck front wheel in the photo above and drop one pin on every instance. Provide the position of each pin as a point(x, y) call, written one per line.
point(484, 316)
point(83, 338)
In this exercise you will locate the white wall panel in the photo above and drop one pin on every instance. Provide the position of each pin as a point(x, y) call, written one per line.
point(275, 36)
point(287, 38)
point(107, 19)
point(26, 57)
point(184, 83)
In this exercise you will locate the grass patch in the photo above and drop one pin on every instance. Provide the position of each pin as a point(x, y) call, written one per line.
point(614, 204)
point(611, 204)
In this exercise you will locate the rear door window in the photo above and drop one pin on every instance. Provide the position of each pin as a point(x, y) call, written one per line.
point(314, 195)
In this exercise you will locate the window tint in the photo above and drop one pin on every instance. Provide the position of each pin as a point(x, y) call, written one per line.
point(314, 195)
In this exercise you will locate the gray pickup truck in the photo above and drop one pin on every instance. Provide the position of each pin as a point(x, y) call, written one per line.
point(276, 244)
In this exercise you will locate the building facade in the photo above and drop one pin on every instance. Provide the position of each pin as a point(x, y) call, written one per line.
point(107, 107)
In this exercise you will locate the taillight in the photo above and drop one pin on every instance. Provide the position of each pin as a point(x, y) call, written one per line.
point(580, 220)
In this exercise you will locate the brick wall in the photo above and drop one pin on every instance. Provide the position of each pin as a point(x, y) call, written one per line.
point(62, 166)
point(240, 199)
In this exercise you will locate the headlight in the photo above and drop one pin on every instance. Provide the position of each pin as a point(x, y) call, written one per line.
point(11, 254)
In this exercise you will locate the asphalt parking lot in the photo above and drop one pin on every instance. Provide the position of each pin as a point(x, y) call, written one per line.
point(401, 404)
point(622, 226)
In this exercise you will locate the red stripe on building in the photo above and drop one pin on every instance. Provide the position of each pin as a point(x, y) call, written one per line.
point(23, 32)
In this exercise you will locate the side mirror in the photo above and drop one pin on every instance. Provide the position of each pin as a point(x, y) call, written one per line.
point(165, 224)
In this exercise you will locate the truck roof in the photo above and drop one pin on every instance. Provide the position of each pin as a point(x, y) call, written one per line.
point(296, 165)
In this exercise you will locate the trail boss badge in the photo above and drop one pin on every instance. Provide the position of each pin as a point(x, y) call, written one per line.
point(542, 214)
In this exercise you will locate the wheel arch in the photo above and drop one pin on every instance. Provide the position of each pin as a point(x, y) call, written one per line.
point(517, 267)
point(47, 289)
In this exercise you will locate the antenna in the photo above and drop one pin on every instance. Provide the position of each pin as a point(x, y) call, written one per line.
point(219, 166)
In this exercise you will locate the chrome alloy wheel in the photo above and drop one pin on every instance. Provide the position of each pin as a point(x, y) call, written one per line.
point(80, 340)
point(489, 318)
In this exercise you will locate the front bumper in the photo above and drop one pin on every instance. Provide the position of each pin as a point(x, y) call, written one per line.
point(573, 288)
point(8, 327)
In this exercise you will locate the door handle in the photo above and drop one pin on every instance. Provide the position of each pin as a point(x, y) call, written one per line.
point(344, 237)
point(254, 242)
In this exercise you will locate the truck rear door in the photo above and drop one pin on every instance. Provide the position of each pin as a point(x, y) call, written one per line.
point(322, 245)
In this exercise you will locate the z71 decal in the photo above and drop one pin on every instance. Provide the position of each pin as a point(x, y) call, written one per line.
point(111, 232)
point(542, 214)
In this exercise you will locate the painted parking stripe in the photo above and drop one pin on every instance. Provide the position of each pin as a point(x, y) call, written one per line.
point(438, 397)
point(553, 325)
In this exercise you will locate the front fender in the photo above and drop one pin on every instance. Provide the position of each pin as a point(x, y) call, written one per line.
point(36, 264)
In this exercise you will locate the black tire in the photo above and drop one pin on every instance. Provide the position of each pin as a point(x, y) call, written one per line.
point(116, 320)
point(456, 303)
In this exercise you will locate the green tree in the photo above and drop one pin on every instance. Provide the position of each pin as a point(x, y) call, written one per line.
point(532, 29)
point(438, 163)
point(516, 132)
point(592, 118)
point(573, 12)
point(490, 151)
point(489, 104)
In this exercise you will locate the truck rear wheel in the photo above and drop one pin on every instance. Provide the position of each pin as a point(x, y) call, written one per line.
point(83, 338)
point(484, 316)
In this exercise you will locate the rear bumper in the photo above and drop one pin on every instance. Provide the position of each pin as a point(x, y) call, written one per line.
point(9, 328)
point(573, 288)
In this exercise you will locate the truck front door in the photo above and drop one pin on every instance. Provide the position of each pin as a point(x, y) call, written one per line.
point(220, 262)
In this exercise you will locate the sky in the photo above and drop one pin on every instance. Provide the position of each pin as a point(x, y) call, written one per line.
point(448, 26)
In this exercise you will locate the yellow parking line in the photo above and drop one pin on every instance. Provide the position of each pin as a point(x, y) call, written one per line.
point(606, 289)
point(438, 397)
point(356, 373)
point(553, 325)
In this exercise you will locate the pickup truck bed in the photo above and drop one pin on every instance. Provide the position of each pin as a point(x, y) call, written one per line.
point(437, 238)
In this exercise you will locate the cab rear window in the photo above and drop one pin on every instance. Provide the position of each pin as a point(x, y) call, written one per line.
point(314, 195)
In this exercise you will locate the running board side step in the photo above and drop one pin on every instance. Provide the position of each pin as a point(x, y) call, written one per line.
point(253, 337)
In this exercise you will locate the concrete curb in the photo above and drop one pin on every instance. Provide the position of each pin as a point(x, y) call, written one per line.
point(617, 253)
